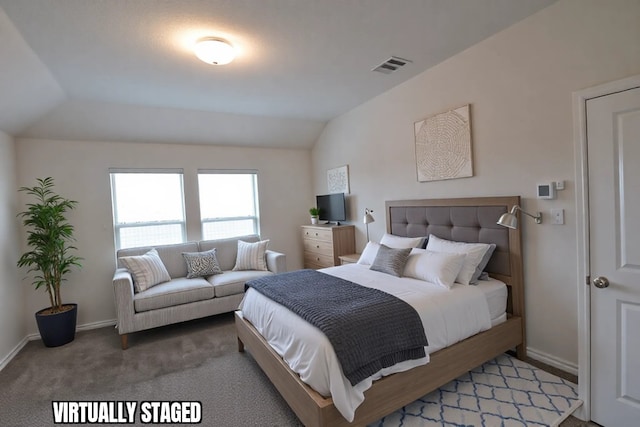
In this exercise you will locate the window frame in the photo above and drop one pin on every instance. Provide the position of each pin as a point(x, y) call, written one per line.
point(119, 226)
point(255, 218)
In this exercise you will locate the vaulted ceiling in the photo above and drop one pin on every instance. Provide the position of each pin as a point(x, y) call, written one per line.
point(123, 70)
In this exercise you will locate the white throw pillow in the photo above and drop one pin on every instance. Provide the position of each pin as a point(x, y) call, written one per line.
point(440, 268)
point(251, 256)
point(369, 253)
point(147, 270)
point(474, 254)
point(399, 242)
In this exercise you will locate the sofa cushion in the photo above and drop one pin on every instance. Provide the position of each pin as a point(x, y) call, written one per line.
point(201, 264)
point(232, 282)
point(172, 293)
point(251, 256)
point(171, 256)
point(147, 270)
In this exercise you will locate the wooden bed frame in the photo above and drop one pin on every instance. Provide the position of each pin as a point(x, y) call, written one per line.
point(392, 392)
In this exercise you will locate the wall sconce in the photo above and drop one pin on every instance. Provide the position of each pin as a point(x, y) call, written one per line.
point(368, 219)
point(510, 220)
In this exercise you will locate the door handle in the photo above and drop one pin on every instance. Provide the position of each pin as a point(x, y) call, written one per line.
point(601, 282)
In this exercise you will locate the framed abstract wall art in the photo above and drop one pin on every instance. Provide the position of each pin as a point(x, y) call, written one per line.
point(443, 145)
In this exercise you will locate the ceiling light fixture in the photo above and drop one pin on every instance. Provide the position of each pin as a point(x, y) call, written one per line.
point(214, 51)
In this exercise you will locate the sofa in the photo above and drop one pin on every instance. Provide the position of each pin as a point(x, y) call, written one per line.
point(179, 297)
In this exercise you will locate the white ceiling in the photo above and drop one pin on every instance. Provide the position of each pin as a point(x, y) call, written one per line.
point(123, 69)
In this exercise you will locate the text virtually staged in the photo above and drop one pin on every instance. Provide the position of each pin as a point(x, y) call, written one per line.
point(126, 412)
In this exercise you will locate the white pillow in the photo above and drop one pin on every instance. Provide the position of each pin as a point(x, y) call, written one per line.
point(369, 253)
point(440, 268)
point(398, 242)
point(147, 270)
point(474, 251)
point(251, 256)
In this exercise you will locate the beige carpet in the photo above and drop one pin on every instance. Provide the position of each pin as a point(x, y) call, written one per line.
point(196, 360)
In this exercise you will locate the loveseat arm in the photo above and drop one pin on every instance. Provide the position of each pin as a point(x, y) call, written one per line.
point(276, 261)
point(123, 291)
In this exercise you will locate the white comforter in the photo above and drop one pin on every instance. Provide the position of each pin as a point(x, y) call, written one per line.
point(448, 316)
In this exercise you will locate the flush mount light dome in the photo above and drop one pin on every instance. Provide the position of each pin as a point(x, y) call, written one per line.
point(214, 51)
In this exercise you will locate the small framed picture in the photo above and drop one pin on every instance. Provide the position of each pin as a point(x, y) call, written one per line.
point(338, 180)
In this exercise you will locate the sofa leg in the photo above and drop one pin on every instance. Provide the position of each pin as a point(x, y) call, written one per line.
point(124, 342)
point(240, 346)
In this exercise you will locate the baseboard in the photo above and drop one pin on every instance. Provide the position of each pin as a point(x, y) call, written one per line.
point(84, 327)
point(550, 360)
point(96, 325)
point(13, 353)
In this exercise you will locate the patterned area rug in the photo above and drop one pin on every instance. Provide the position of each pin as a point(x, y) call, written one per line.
point(503, 392)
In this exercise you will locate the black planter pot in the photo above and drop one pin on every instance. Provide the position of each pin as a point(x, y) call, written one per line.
point(59, 328)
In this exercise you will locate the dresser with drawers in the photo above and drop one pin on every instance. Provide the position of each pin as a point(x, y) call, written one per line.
point(324, 244)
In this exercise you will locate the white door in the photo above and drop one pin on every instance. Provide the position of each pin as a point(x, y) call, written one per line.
point(613, 144)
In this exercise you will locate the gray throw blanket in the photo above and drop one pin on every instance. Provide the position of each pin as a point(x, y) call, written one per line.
point(368, 328)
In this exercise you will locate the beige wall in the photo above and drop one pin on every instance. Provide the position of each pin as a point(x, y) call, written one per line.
point(519, 84)
point(80, 170)
point(12, 320)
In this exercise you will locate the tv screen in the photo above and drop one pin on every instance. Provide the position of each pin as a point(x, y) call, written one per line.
point(332, 207)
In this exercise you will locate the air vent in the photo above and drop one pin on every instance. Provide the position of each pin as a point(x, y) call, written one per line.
point(390, 65)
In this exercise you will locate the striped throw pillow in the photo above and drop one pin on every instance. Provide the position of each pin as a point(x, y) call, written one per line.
point(147, 270)
point(251, 256)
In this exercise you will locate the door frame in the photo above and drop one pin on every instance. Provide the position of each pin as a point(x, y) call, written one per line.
point(580, 99)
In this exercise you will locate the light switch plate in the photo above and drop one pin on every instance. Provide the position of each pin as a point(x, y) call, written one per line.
point(557, 216)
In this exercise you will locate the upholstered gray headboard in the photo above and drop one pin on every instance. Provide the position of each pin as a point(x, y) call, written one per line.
point(469, 220)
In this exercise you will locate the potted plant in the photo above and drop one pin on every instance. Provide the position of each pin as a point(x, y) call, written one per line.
point(49, 258)
point(314, 212)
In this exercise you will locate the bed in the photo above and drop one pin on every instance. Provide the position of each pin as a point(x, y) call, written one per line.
point(466, 220)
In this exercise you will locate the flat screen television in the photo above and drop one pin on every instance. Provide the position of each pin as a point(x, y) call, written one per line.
point(332, 207)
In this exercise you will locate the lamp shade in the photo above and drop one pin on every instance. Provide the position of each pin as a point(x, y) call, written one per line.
point(368, 218)
point(214, 51)
point(508, 220)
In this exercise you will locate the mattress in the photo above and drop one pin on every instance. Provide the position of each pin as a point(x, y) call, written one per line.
point(495, 292)
point(448, 316)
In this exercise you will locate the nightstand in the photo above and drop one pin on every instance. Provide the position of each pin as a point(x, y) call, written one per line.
point(349, 259)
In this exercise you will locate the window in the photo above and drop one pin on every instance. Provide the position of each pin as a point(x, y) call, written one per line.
point(148, 208)
point(228, 203)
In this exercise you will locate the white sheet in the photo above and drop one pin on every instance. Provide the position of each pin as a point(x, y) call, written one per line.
point(495, 292)
point(448, 316)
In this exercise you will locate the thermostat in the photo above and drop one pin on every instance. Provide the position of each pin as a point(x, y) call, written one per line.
point(546, 191)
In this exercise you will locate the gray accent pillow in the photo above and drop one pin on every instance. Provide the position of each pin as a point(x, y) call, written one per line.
point(477, 275)
point(201, 264)
point(390, 260)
